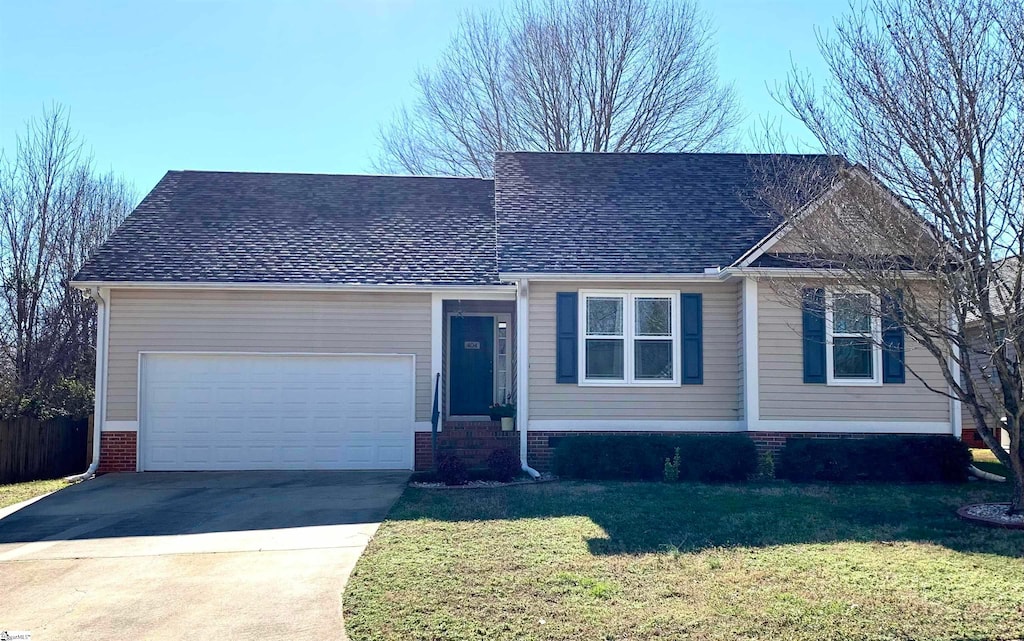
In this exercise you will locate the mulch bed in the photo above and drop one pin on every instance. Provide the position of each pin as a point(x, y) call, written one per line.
point(473, 485)
point(993, 514)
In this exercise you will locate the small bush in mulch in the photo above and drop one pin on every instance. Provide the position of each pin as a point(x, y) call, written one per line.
point(452, 471)
point(504, 464)
point(472, 474)
point(641, 457)
point(891, 459)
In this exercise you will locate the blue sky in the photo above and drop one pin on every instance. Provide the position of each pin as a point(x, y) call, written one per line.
point(292, 86)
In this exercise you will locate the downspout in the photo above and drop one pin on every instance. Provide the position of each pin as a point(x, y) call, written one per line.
point(99, 406)
point(522, 371)
point(985, 476)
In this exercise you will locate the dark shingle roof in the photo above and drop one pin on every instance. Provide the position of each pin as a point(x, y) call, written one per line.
point(200, 226)
point(556, 212)
point(631, 213)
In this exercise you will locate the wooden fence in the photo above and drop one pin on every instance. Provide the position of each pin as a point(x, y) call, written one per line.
point(31, 449)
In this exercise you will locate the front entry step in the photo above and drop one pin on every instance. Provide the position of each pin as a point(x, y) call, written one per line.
point(474, 441)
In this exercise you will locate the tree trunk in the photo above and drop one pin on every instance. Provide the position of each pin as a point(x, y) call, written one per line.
point(1017, 501)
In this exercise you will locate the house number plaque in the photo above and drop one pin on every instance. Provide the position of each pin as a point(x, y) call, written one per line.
point(472, 345)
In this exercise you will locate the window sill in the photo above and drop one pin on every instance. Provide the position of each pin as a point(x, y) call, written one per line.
point(853, 383)
point(625, 384)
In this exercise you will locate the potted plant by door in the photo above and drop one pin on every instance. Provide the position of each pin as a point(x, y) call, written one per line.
point(507, 413)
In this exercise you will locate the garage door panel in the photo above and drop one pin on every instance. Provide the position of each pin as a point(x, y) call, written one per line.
point(227, 411)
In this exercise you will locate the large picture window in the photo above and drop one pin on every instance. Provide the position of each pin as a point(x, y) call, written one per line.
point(629, 338)
point(853, 330)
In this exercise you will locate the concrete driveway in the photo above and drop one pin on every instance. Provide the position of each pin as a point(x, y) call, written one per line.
point(229, 555)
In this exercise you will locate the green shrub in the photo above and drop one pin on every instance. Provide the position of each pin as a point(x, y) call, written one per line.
point(672, 466)
point(504, 464)
point(899, 459)
point(766, 466)
point(641, 457)
point(452, 471)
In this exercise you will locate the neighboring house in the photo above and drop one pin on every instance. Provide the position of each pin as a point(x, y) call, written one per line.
point(272, 321)
point(984, 375)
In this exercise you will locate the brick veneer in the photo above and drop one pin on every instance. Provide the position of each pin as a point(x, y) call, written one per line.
point(473, 442)
point(540, 448)
point(773, 441)
point(117, 452)
point(970, 436)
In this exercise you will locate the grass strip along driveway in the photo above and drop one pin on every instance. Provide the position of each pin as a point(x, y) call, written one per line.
point(652, 561)
point(12, 493)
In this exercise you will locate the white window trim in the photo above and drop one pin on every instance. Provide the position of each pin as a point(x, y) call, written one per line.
point(876, 343)
point(629, 338)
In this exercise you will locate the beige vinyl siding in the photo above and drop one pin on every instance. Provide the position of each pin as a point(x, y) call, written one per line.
point(716, 399)
point(264, 321)
point(740, 382)
point(984, 385)
point(788, 245)
point(784, 395)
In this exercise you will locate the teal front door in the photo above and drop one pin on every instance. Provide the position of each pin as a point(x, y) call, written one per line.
point(471, 365)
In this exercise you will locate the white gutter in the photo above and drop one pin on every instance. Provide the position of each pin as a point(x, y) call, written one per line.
point(523, 371)
point(448, 289)
point(100, 401)
point(802, 272)
point(711, 275)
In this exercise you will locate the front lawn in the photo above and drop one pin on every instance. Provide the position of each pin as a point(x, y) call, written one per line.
point(984, 459)
point(653, 561)
point(17, 492)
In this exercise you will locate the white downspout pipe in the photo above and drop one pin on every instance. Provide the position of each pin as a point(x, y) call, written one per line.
point(99, 406)
point(522, 371)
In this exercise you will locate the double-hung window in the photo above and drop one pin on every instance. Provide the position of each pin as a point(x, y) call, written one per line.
point(629, 338)
point(854, 353)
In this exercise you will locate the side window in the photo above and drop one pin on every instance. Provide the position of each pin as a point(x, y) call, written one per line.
point(853, 331)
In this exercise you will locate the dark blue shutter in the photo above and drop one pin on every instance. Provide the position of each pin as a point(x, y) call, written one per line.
point(566, 337)
point(814, 335)
point(693, 339)
point(893, 341)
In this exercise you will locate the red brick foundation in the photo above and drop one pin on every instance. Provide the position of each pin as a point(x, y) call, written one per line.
point(541, 445)
point(773, 441)
point(472, 442)
point(118, 452)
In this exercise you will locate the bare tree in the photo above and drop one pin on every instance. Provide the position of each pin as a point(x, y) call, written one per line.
point(564, 75)
point(54, 210)
point(922, 114)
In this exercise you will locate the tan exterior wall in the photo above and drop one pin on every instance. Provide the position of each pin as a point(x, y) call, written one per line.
point(784, 395)
point(983, 386)
point(716, 399)
point(249, 321)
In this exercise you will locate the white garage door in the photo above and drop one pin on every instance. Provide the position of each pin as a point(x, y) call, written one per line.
point(276, 412)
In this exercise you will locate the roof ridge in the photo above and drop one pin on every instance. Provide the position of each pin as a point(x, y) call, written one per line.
point(324, 175)
point(666, 154)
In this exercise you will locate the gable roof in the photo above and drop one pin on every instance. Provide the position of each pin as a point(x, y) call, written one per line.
point(205, 226)
point(632, 213)
point(577, 213)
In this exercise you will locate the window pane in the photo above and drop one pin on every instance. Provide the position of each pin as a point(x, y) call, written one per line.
point(852, 358)
point(604, 359)
point(852, 314)
point(653, 317)
point(654, 360)
point(604, 316)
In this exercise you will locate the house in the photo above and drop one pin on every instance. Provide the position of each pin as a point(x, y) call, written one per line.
point(984, 374)
point(281, 321)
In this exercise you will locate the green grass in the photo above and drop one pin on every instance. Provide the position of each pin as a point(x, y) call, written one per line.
point(655, 561)
point(17, 492)
point(985, 460)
